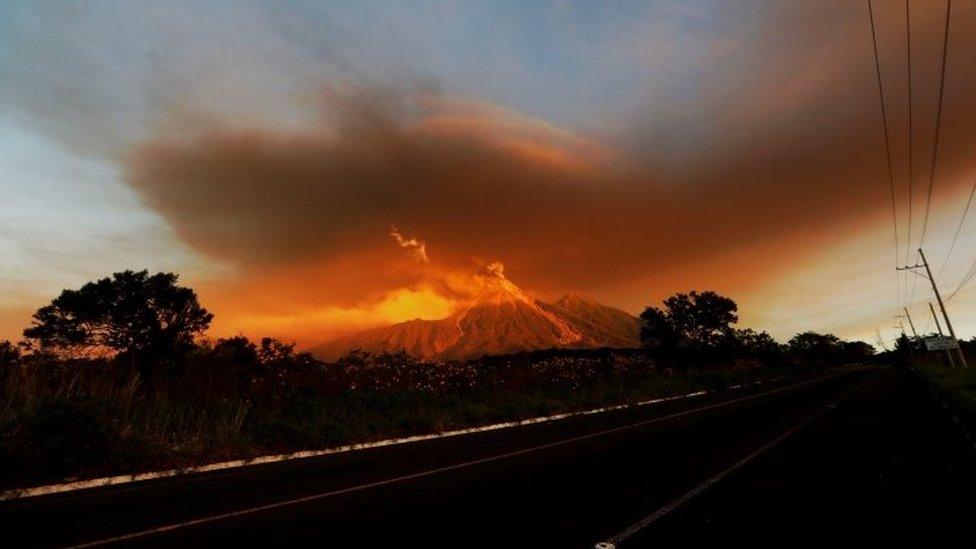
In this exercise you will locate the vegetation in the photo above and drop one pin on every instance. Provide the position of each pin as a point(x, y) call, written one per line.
point(694, 319)
point(957, 384)
point(72, 404)
point(699, 328)
point(146, 319)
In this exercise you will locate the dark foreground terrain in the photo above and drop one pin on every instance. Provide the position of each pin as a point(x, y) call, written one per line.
point(861, 458)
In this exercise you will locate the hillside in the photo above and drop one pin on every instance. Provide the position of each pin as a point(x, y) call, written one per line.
point(500, 318)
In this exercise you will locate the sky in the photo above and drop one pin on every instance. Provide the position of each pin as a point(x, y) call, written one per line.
point(317, 168)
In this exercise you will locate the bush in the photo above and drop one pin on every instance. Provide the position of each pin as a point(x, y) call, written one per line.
point(62, 437)
point(234, 399)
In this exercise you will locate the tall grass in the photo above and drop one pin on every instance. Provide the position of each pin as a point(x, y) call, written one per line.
point(86, 418)
point(58, 421)
point(958, 384)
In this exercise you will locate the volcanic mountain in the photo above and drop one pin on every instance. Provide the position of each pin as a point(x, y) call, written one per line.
point(499, 318)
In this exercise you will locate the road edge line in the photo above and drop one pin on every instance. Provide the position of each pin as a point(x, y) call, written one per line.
point(453, 467)
point(116, 480)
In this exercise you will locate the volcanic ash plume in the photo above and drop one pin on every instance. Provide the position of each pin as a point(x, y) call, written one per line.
point(496, 269)
point(418, 248)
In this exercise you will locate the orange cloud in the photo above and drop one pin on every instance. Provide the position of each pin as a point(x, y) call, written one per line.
point(315, 325)
point(300, 214)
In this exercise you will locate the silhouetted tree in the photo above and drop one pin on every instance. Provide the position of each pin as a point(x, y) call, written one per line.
point(857, 350)
point(905, 345)
point(273, 351)
point(657, 330)
point(752, 339)
point(237, 351)
point(816, 347)
point(9, 354)
point(355, 359)
point(702, 319)
point(748, 342)
point(144, 317)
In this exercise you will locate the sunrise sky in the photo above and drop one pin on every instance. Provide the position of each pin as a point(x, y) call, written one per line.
point(626, 150)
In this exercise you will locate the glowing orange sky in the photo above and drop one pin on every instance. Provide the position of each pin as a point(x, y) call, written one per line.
point(615, 233)
point(748, 161)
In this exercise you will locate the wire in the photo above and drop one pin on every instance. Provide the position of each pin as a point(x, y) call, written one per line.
point(963, 282)
point(887, 144)
point(908, 58)
point(938, 120)
point(955, 237)
point(911, 297)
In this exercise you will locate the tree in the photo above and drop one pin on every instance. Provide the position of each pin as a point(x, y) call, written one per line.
point(758, 344)
point(857, 350)
point(903, 345)
point(273, 351)
point(657, 330)
point(704, 319)
point(145, 317)
point(237, 351)
point(814, 346)
point(752, 339)
point(9, 354)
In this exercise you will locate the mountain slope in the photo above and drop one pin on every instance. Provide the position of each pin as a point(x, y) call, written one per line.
point(500, 318)
point(602, 325)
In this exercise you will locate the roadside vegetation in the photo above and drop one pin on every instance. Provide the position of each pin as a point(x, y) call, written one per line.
point(957, 384)
point(115, 377)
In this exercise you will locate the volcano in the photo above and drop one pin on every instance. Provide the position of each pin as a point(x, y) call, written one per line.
point(499, 318)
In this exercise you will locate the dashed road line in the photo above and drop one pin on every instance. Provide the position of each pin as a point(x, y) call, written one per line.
point(423, 474)
point(619, 538)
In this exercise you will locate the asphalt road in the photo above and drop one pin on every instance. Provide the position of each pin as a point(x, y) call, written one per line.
point(865, 458)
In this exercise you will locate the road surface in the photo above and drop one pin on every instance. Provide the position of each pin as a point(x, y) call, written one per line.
point(864, 458)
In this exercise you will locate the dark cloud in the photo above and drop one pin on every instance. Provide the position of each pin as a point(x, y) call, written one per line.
point(775, 154)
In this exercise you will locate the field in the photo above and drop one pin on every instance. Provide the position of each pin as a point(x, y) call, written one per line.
point(957, 385)
point(66, 420)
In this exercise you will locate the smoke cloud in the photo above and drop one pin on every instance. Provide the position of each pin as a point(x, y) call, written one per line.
point(760, 164)
point(418, 248)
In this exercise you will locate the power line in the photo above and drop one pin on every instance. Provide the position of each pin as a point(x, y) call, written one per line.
point(970, 273)
point(938, 119)
point(908, 56)
point(911, 296)
point(962, 220)
point(887, 144)
point(962, 283)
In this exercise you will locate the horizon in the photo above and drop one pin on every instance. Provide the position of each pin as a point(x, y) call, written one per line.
point(313, 171)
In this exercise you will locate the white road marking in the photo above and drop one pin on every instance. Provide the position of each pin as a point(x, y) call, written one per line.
point(422, 474)
point(19, 493)
point(674, 504)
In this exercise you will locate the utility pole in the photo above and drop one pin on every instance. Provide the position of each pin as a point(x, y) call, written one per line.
point(938, 297)
point(917, 342)
point(901, 326)
point(935, 317)
point(912, 324)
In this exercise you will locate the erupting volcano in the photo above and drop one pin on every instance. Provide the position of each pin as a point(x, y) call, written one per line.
point(498, 318)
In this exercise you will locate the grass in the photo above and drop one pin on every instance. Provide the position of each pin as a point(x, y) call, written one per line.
point(957, 384)
point(65, 421)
